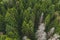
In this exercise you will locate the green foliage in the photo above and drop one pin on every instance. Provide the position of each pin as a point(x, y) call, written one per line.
point(47, 19)
point(8, 38)
point(28, 23)
point(2, 37)
point(2, 28)
point(21, 17)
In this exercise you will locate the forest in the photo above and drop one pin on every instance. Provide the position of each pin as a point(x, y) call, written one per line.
point(29, 19)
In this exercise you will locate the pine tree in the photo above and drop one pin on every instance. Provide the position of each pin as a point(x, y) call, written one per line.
point(11, 24)
point(28, 23)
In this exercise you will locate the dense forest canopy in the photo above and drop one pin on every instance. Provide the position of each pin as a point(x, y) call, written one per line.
point(20, 18)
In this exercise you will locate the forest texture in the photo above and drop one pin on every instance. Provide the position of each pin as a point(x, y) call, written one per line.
point(28, 19)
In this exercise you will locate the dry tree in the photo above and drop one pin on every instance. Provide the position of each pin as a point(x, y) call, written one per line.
point(42, 35)
point(25, 38)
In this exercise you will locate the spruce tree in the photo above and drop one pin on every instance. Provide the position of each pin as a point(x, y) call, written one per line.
point(28, 23)
point(11, 24)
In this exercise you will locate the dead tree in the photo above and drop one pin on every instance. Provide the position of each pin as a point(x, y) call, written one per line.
point(42, 35)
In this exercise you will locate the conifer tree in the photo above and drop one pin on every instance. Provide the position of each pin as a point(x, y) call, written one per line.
point(11, 24)
point(28, 23)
